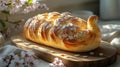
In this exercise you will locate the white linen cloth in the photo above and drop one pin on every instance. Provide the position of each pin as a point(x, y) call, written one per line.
point(110, 33)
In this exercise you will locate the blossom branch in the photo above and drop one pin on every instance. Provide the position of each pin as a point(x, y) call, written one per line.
point(8, 7)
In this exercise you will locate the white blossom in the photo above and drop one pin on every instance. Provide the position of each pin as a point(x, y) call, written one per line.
point(23, 1)
point(18, 6)
point(23, 54)
point(12, 54)
point(31, 7)
point(44, 6)
point(34, 1)
point(16, 57)
point(15, 62)
point(26, 59)
point(57, 63)
point(22, 63)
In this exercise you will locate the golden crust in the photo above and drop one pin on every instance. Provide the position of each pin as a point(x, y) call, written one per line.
point(63, 31)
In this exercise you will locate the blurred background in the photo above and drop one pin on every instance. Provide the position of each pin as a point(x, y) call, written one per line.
point(105, 9)
point(83, 7)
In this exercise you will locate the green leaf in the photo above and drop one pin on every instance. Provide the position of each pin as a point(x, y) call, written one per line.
point(9, 4)
point(4, 26)
point(29, 2)
point(2, 22)
point(17, 22)
point(5, 12)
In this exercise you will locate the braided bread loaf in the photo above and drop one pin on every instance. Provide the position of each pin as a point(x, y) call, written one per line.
point(63, 31)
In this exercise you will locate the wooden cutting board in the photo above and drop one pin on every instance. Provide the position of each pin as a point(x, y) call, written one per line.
point(100, 57)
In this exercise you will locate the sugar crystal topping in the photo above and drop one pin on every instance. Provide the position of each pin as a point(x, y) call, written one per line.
point(63, 23)
point(46, 24)
point(50, 15)
point(28, 21)
point(67, 29)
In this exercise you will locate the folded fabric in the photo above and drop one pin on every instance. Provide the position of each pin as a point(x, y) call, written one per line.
point(111, 34)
